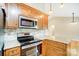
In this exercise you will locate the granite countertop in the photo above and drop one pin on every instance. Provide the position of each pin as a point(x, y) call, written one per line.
point(53, 38)
point(15, 43)
point(11, 44)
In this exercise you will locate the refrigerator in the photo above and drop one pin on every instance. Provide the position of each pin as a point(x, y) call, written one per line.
point(2, 26)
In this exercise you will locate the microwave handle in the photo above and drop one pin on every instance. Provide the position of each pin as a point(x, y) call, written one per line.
point(35, 23)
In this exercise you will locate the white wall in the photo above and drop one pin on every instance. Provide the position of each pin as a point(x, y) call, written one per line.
point(67, 9)
point(64, 29)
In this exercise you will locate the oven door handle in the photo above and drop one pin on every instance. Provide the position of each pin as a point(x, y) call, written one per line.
point(31, 45)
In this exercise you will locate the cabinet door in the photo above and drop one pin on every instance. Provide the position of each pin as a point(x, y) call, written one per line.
point(53, 48)
point(34, 13)
point(44, 44)
point(24, 9)
point(37, 14)
point(45, 21)
point(12, 52)
point(72, 47)
point(12, 16)
point(40, 23)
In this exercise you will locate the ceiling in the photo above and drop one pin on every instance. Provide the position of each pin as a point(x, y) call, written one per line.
point(66, 11)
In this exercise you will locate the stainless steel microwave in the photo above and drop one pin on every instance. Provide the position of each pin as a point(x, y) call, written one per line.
point(27, 22)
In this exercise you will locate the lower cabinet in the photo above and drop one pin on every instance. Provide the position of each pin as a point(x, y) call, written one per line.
point(53, 48)
point(73, 48)
point(12, 52)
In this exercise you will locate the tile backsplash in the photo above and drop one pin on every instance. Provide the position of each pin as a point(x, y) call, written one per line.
point(36, 33)
point(11, 34)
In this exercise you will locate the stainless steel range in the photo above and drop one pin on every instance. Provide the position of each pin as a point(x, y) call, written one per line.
point(29, 45)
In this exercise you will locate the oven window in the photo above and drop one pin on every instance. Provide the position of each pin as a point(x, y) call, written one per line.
point(27, 22)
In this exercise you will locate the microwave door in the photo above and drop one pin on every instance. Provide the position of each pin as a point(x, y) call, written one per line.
point(26, 22)
point(35, 23)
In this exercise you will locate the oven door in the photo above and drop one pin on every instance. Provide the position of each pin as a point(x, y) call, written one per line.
point(29, 51)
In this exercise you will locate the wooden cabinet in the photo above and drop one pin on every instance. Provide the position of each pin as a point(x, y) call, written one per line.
point(42, 18)
point(13, 11)
point(12, 52)
point(53, 48)
point(45, 21)
point(73, 48)
point(34, 13)
point(24, 9)
point(11, 16)
point(40, 23)
point(37, 14)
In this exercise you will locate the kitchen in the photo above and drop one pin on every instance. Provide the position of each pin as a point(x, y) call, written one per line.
point(28, 29)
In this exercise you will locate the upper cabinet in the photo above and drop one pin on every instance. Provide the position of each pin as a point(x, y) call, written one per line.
point(42, 18)
point(12, 13)
point(45, 21)
point(24, 9)
point(34, 13)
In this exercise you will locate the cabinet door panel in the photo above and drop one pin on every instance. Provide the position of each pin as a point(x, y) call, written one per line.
point(12, 16)
point(24, 9)
point(34, 13)
point(53, 48)
point(12, 52)
point(40, 23)
point(45, 21)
